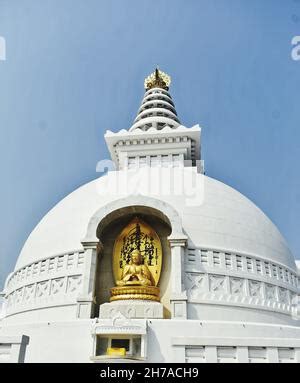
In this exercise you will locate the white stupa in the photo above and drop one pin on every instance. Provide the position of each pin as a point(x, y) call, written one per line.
point(227, 282)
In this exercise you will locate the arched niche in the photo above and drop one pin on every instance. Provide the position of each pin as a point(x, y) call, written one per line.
point(103, 228)
point(109, 229)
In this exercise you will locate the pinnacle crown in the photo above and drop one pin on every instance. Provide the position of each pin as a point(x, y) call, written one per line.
point(157, 79)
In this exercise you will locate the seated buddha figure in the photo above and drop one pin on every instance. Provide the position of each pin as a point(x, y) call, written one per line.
point(136, 273)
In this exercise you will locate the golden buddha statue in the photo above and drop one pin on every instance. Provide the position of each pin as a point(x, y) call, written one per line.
point(136, 273)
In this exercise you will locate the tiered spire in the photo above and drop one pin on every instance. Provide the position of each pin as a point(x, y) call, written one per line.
point(157, 109)
point(156, 138)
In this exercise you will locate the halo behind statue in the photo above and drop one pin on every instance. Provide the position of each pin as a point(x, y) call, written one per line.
point(137, 261)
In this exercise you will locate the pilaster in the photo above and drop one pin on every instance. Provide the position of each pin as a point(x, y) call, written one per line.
point(178, 298)
point(86, 300)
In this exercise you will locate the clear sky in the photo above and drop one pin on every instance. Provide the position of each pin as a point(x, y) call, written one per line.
point(75, 68)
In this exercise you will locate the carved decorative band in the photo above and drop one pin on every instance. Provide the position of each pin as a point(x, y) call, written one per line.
point(222, 262)
point(59, 265)
point(49, 281)
point(62, 290)
point(238, 291)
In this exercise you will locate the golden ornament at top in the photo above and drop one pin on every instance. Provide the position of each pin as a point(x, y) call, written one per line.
point(157, 79)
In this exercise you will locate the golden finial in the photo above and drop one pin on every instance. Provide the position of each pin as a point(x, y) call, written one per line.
point(157, 79)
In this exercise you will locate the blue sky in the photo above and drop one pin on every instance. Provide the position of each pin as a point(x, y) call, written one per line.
point(75, 68)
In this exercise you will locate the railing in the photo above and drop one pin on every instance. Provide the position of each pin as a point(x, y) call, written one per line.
point(48, 282)
point(222, 277)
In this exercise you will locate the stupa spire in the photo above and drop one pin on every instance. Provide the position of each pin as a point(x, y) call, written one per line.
point(157, 110)
point(156, 138)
